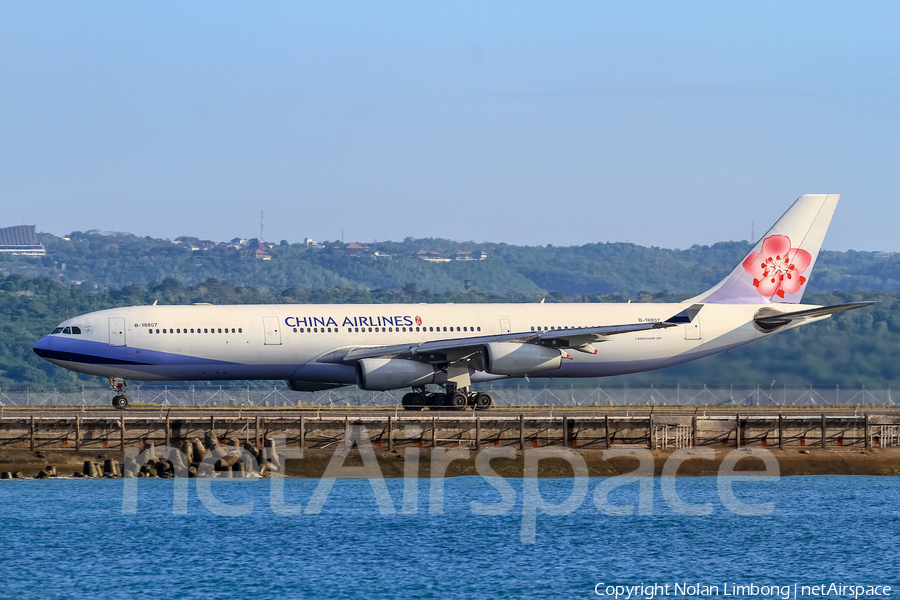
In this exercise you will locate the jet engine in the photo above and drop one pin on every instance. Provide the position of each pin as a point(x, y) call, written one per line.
point(392, 373)
point(504, 358)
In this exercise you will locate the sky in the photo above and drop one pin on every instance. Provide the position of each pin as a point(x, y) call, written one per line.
point(659, 123)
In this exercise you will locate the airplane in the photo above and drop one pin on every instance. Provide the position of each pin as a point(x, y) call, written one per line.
point(452, 346)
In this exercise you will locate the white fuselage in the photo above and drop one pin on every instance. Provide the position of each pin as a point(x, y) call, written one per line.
point(204, 342)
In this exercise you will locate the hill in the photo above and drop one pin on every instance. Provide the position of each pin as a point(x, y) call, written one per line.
point(96, 261)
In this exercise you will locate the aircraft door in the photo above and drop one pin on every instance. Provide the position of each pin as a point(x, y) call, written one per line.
point(504, 326)
point(117, 331)
point(692, 329)
point(273, 331)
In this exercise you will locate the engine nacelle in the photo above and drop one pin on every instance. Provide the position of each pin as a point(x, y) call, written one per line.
point(505, 358)
point(392, 373)
point(311, 386)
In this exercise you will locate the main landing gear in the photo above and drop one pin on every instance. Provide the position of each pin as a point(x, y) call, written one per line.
point(117, 384)
point(452, 398)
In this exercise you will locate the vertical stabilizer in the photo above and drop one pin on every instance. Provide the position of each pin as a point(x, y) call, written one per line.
point(778, 267)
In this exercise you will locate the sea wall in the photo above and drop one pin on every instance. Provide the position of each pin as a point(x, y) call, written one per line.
point(856, 443)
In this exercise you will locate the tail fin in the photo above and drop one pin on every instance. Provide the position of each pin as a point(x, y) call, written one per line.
point(777, 268)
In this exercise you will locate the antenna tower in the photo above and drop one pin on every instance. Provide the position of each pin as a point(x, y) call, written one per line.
point(262, 227)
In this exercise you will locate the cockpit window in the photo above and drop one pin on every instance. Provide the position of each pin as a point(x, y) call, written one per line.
point(76, 331)
point(57, 330)
point(67, 330)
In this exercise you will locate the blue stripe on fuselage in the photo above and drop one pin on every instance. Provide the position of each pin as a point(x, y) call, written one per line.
point(72, 349)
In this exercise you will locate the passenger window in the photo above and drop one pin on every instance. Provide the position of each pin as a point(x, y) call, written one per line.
point(157, 331)
point(390, 329)
point(370, 330)
point(220, 330)
point(205, 330)
point(295, 330)
point(479, 329)
point(149, 331)
point(357, 329)
point(232, 330)
point(240, 330)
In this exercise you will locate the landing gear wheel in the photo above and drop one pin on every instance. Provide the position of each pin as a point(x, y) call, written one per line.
point(457, 401)
point(120, 401)
point(483, 401)
point(413, 401)
point(437, 401)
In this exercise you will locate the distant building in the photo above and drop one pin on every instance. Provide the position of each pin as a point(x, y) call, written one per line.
point(466, 255)
point(311, 243)
point(256, 249)
point(21, 239)
point(430, 256)
point(354, 249)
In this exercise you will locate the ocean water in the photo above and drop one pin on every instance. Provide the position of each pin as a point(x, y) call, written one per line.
point(70, 539)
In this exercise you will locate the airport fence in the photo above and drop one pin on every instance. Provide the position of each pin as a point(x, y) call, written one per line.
point(704, 395)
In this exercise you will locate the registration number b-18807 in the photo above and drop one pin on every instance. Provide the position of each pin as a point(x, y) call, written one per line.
point(145, 324)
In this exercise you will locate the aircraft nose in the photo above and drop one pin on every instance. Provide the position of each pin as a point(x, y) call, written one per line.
point(42, 346)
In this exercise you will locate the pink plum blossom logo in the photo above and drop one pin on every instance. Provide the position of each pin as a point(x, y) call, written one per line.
point(777, 267)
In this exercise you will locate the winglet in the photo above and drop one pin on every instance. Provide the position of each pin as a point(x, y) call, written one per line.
point(685, 316)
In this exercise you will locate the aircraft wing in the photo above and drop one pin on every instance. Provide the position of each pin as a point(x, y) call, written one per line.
point(803, 315)
point(576, 338)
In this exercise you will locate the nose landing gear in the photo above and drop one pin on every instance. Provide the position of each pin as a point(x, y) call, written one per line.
point(117, 384)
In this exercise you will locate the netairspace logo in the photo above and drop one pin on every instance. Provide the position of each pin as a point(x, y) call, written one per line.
point(532, 501)
point(747, 590)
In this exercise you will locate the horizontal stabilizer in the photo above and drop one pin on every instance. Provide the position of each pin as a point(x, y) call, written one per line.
point(779, 320)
